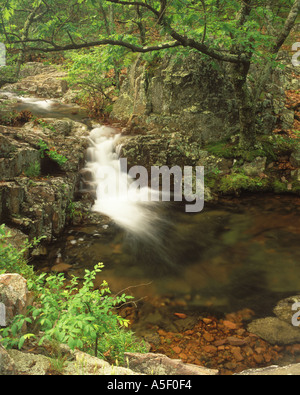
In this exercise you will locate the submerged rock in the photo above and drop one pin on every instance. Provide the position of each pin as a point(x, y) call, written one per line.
point(275, 331)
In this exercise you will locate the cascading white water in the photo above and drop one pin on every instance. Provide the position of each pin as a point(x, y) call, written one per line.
point(131, 211)
point(49, 108)
point(42, 104)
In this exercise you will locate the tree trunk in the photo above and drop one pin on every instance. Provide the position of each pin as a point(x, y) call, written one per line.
point(246, 105)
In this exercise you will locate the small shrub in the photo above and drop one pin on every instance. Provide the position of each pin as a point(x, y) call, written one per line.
point(51, 153)
point(75, 314)
point(238, 181)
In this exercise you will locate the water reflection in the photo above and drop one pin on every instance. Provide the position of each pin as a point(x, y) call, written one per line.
point(224, 258)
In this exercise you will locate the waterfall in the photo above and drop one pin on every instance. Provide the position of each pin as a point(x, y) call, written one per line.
point(130, 209)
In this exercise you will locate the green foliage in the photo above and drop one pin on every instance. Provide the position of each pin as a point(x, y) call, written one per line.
point(51, 153)
point(12, 259)
point(33, 170)
point(73, 211)
point(238, 181)
point(222, 149)
point(97, 73)
point(76, 314)
point(44, 124)
point(267, 146)
point(279, 186)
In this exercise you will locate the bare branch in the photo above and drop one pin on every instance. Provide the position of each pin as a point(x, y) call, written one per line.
point(134, 48)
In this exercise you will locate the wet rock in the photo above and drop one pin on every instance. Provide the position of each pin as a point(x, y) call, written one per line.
point(158, 364)
point(229, 324)
point(186, 323)
point(61, 267)
point(275, 331)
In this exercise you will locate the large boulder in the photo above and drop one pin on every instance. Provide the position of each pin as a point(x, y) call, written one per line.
point(179, 95)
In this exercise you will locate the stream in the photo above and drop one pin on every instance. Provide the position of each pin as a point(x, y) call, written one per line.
point(235, 254)
point(223, 259)
point(239, 253)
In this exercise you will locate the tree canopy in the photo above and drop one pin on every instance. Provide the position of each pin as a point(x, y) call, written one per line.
point(239, 32)
point(226, 30)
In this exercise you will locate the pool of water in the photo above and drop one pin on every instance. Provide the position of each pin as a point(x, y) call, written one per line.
point(240, 253)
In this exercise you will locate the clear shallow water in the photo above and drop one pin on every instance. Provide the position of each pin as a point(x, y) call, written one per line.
point(241, 253)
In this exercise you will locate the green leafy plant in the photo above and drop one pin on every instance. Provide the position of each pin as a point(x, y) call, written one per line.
point(51, 153)
point(75, 314)
point(238, 181)
point(33, 170)
point(99, 81)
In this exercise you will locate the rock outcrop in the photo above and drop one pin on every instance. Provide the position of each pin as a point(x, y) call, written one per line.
point(174, 107)
point(179, 95)
point(35, 190)
point(40, 80)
